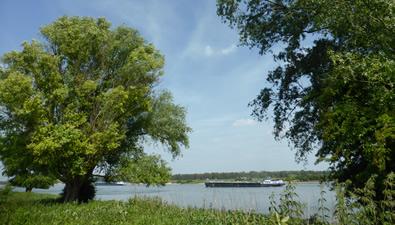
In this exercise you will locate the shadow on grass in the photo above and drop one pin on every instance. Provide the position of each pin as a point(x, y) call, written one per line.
point(49, 201)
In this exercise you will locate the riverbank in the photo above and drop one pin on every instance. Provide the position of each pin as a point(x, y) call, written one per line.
point(198, 196)
point(33, 208)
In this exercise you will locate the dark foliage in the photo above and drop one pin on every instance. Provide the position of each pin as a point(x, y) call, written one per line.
point(334, 96)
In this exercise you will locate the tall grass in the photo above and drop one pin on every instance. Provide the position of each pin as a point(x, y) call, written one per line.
point(288, 207)
point(32, 208)
point(362, 208)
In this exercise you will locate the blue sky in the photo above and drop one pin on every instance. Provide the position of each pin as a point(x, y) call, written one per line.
point(206, 71)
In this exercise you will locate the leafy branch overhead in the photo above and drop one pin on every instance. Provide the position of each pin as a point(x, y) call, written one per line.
point(334, 96)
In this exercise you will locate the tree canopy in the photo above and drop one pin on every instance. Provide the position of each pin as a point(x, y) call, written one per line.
point(334, 95)
point(83, 99)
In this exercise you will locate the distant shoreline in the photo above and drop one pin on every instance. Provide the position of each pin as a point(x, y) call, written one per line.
point(254, 176)
point(203, 181)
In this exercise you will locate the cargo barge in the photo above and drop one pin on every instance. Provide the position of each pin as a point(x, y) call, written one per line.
point(265, 183)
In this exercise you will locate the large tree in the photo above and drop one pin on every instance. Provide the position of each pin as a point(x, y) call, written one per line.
point(82, 100)
point(334, 91)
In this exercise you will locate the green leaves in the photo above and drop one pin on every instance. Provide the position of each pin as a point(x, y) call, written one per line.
point(357, 99)
point(14, 90)
point(166, 124)
point(83, 99)
point(148, 169)
point(335, 97)
point(82, 40)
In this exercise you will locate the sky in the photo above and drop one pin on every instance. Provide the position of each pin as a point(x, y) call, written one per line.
point(206, 70)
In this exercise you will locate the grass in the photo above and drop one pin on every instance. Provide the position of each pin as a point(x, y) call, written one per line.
point(33, 208)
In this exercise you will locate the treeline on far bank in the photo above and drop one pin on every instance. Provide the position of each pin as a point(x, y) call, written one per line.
point(300, 175)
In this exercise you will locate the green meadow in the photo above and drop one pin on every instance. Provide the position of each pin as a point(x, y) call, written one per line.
point(32, 208)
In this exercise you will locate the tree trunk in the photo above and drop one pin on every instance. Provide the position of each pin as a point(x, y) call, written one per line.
point(71, 190)
point(28, 189)
point(79, 189)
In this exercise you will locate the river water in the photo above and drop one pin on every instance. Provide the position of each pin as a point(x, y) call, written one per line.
point(197, 195)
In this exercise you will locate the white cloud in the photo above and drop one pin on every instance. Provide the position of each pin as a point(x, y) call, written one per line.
point(228, 50)
point(210, 51)
point(151, 18)
point(243, 122)
point(209, 36)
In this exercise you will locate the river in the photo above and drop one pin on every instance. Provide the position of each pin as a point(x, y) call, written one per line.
point(197, 195)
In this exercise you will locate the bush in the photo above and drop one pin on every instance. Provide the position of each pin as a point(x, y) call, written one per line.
point(5, 192)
